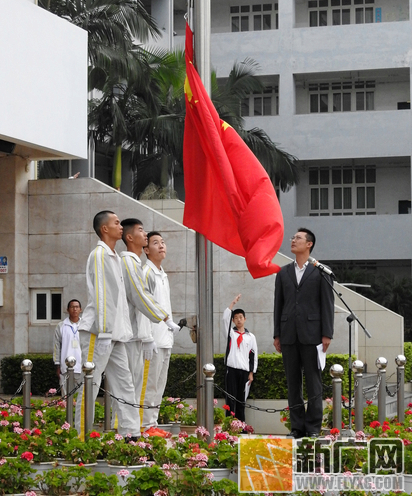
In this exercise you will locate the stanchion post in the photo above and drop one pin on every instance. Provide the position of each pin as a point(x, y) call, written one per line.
point(107, 406)
point(400, 361)
point(70, 364)
point(209, 372)
point(26, 366)
point(357, 369)
point(336, 372)
point(88, 369)
point(381, 364)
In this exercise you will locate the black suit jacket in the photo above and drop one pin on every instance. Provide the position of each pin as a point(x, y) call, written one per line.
point(303, 311)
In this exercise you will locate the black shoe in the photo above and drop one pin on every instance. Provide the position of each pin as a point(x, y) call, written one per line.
point(312, 434)
point(295, 434)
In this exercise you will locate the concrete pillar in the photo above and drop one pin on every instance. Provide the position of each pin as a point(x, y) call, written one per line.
point(14, 173)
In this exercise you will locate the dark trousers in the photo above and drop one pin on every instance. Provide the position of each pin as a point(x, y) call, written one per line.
point(298, 359)
point(235, 381)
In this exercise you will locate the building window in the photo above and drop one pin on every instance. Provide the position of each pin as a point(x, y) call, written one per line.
point(340, 12)
point(342, 190)
point(341, 96)
point(46, 306)
point(255, 17)
point(261, 104)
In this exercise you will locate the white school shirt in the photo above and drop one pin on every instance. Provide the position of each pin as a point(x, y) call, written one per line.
point(238, 357)
point(67, 343)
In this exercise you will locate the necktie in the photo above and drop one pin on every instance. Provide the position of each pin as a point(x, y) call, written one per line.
point(239, 339)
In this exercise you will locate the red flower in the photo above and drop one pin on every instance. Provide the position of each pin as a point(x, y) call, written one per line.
point(226, 407)
point(24, 437)
point(397, 431)
point(4, 413)
point(369, 402)
point(36, 432)
point(335, 431)
point(408, 412)
point(406, 442)
point(410, 405)
point(27, 431)
point(284, 419)
point(344, 398)
point(212, 445)
point(220, 436)
point(343, 425)
point(385, 427)
point(27, 456)
point(81, 464)
point(232, 413)
point(94, 434)
point(385, 422)
point(375, 424)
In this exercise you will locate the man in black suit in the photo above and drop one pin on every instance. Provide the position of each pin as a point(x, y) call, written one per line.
point(303, 318)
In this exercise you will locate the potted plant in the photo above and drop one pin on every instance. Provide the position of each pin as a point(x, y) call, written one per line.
point(99, 484)
point(76, 451)
point(62, 480)
point(195, 481)
point(15, 475)
point(148, 481)
point(120, 453)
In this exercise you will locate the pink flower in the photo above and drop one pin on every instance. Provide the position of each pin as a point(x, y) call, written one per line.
point(16, 424)
point(123, 473)
point(66, 426)
point(30, 493)
point(118, 437)
point(180, 406)
point(191, 407)
point(4, 423)
point(110, 442)
point(170, 400)
point(39, 413)
point(27, 456)
point(160, 492)
point(52, 391)
point(210, 476)
point(3, 461)
point(215, 402)
point(143, 459)
point(202, 431)
point(18, 430)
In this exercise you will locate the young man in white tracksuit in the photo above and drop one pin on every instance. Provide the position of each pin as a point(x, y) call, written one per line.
point(155, 371)
point(105, 326)
point(66, 343)
point(142, 304)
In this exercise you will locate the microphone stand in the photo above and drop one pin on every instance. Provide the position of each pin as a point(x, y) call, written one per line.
point(350, 318)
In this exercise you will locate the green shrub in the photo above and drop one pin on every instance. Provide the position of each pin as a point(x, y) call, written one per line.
point(407, 351)
point(269, 382)
point(43, 373)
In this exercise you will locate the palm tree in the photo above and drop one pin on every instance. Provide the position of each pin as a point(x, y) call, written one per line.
point(114, 57)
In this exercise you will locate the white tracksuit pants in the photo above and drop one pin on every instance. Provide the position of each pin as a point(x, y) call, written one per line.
point(115, 363)
point(154, 383)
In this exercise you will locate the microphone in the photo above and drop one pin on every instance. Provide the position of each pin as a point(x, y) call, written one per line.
point(321, 267)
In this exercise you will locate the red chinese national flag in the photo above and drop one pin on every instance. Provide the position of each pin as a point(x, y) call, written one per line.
point(229, 196)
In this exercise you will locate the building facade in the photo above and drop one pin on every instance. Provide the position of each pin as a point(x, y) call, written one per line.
point(337, 75)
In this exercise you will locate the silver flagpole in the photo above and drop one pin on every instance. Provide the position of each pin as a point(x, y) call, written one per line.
point(204, 250)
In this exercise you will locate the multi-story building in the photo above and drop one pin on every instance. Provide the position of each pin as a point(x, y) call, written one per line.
point(338, 83)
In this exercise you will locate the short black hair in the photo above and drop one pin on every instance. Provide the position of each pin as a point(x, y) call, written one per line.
point(309, 236)
point(238, 310)
point(99, 220)
point(153, 233)
point(72, 301)
point(128, 225)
